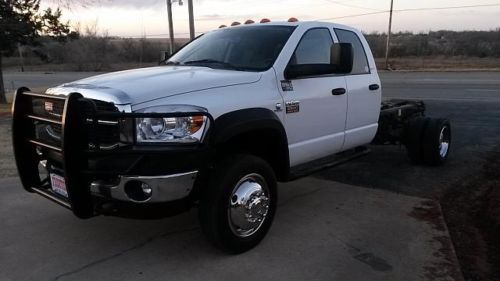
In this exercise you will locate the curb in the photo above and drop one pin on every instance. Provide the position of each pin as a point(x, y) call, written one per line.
point(452, 244)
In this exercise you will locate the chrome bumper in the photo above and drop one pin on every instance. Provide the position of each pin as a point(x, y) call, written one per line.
point(156, 189)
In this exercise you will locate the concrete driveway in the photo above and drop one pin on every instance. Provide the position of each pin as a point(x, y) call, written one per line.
point(323, 230)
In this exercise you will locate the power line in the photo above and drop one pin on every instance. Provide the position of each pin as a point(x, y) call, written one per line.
point(415, 9)
point(356, 15)
point(359, 15)
point(447, 8)
point(351, 5)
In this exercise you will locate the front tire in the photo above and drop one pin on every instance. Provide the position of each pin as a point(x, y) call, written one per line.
point(238, 205)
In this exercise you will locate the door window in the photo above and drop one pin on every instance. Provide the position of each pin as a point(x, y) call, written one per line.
point(313, 48)
point(360, 64)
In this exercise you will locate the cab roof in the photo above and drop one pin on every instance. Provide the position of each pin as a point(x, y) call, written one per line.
point(305, 24)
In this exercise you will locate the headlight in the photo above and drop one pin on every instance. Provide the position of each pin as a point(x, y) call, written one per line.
point(189, 129)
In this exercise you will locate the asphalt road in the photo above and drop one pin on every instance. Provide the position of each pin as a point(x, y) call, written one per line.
point(338, 224)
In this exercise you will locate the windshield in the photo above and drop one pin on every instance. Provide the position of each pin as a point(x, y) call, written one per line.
point(248, 48)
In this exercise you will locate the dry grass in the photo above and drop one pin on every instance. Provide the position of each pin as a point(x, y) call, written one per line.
point(402, 63)
point(440, 63)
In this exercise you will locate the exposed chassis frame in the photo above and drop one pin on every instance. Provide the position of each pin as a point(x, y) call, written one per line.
point(395, 116)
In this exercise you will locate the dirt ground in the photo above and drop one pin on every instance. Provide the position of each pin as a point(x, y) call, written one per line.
point(472, 212)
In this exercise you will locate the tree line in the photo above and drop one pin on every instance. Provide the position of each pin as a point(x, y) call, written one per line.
point(438, 43)
point(94, 51)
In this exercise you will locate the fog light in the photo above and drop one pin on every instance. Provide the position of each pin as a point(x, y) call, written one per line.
point(146, 189)
point(138, 191)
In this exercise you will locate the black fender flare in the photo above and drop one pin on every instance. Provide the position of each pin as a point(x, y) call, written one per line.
point(244, 121)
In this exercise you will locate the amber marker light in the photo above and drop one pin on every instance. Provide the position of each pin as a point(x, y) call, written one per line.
point(196, 123)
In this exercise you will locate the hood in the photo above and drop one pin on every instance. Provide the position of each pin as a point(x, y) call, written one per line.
point(142, 85)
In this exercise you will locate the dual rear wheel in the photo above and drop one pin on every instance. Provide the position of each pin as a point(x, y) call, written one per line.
point(428, 140)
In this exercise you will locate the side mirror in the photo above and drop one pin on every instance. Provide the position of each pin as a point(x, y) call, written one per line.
point(342, 57)
point(304, 70)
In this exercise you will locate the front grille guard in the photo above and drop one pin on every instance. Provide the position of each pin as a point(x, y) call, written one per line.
point(74, 145)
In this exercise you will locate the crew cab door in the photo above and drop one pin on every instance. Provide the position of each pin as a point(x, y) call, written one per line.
point(363, 92)
point(315, 106)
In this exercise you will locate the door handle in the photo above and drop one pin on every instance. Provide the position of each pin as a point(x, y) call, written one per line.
point(374, 87)
point(338, 91)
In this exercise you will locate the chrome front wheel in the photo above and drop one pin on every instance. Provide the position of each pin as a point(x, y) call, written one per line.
point(248, 205)
point(238, 205)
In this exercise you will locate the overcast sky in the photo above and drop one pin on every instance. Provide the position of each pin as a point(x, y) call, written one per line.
point(148, 17)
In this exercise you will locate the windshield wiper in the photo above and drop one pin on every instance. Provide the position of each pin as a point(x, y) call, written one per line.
point(211, 61)
point(171, 62)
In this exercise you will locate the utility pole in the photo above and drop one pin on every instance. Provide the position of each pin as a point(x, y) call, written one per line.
point(387, 46)
point(191, 19)
point(170, 26)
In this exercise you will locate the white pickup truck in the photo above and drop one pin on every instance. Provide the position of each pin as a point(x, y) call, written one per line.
point(217, 126)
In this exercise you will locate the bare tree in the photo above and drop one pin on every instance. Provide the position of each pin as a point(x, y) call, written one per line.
point(22, 24)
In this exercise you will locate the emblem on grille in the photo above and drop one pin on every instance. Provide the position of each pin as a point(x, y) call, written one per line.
point(49, 106)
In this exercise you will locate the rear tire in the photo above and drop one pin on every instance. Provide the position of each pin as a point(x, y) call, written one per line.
point(238, 205)
point(436, 142)
point(414, 137)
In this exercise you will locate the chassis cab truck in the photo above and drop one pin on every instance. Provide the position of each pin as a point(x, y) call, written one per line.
point(216, 126)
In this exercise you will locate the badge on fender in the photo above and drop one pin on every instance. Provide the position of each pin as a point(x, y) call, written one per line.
point(292, 106)
point(286, 85)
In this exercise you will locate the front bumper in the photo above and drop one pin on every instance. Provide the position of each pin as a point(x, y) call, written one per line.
point(100, 181)
point(146, 189)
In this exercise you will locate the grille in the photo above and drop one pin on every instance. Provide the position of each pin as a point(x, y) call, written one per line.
point(52, 109)
point(106, 133)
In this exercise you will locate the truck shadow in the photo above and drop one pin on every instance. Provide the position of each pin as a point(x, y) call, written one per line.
point(475, 134)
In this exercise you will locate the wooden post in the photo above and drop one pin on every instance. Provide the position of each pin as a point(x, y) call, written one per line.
point(191, 19)
point(387, 46)
point(170, 26)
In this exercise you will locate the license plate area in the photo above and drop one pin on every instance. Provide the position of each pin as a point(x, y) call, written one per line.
point(58, 184)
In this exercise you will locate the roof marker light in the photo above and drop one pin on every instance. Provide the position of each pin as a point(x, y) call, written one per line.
point(249, 22)
point(265, 20)
point(292, 19)
point(235, 23)
point(222, 26)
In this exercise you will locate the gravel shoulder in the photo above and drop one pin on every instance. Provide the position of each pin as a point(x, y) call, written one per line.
point(7, 165)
